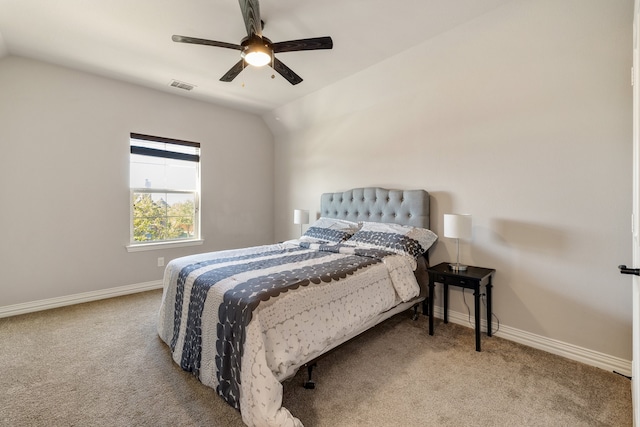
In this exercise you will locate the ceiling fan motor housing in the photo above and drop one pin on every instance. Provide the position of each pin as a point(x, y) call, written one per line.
point(257, 50)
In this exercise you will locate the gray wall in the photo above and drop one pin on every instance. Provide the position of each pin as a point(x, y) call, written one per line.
point(64, 178)
point(521, 118)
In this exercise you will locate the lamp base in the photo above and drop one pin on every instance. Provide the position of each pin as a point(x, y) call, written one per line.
point(458, 267)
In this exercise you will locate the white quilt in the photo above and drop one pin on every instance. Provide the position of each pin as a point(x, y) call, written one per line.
point(284, 332)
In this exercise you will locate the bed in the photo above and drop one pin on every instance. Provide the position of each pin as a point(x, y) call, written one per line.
point(244, 320)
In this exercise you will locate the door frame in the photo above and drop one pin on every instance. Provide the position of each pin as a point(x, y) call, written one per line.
point(635, 218)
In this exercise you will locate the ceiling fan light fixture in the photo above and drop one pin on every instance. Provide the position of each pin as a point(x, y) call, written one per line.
point(257, 55)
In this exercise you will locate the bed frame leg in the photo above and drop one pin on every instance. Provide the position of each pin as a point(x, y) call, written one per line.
point(310, 384)
point(415, 312)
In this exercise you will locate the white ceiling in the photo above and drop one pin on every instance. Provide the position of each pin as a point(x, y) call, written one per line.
point(130, 40)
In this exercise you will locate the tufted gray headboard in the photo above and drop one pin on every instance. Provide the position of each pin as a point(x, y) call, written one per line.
point(406, 207)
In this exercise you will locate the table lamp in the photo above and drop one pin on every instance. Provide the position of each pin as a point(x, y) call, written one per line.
point(457, 226)
point(300, 216)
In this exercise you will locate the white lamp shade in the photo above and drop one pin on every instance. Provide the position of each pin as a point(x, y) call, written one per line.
point(457, 226)
point(300, 216)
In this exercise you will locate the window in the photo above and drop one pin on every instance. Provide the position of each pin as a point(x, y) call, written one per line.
point(165, 186)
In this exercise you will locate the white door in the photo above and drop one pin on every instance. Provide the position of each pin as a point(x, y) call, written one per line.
point(635, 364)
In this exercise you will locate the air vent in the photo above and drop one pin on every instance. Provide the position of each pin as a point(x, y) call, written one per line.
point(181, 85)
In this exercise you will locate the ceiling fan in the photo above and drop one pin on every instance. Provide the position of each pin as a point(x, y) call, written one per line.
point(257, 50)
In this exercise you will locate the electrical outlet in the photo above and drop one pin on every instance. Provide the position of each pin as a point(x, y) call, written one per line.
point(160, 261)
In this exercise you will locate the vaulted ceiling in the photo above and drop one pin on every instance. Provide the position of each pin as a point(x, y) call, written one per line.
point(130, 40)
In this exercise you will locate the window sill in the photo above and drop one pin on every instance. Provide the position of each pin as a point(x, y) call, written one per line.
point(139, 247)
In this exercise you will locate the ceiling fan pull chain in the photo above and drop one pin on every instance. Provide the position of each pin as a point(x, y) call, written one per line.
point(273, 62)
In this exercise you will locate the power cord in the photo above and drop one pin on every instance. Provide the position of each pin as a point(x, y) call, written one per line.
point(468, 309)
point(484, 302)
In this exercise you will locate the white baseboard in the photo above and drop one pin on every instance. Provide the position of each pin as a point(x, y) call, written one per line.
point(46, 304)
point(570, 351)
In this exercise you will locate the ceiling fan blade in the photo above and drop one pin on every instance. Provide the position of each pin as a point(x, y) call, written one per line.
point(286, 72)
point(234, 71)
point(303, 44)
point(193, 40)
point(251, 15)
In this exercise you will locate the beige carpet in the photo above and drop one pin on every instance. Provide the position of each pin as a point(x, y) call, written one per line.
point(102, 364)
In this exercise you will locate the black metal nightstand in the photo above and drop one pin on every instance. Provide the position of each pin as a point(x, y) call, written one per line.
point(472, 278)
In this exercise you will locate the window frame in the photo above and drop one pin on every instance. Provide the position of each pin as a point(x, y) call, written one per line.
point(133, 245)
